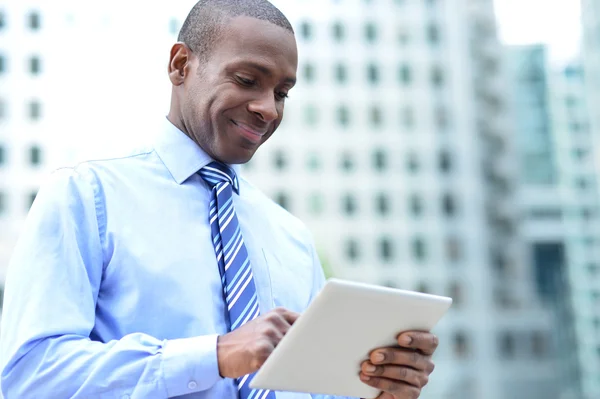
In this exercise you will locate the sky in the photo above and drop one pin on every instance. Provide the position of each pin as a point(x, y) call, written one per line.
point(555, 22)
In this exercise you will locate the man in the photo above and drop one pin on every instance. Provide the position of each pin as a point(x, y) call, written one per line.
point(144, 276)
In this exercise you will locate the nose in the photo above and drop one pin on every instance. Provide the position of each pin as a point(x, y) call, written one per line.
point(264, 107)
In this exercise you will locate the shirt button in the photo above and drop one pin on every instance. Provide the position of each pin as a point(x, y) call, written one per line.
point(192, 385)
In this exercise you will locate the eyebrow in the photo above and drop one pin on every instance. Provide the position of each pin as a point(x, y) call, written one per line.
point(266, 71)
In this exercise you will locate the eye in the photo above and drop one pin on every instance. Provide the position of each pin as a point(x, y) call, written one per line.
point(281, 95)
point(246, 81)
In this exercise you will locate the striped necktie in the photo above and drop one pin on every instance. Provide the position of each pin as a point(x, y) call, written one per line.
point(232, 257)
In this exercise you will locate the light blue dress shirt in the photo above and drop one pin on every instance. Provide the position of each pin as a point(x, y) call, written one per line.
point(114, 291)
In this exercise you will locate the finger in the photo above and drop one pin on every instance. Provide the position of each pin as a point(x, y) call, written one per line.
point(425, 342)
point(402, 357)
point(289, 316)
point(398, 389)
point(399, 373)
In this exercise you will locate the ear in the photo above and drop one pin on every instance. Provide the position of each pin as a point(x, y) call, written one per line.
point(179, 63)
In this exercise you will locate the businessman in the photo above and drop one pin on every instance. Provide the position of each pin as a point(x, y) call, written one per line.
point(164, 273)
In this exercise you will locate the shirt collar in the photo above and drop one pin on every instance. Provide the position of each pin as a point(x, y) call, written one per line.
point(181, 156)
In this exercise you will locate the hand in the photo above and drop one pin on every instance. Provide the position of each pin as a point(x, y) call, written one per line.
point(245, 349)
point(402, 372)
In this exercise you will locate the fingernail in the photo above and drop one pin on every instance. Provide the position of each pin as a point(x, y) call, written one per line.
point(379, 357)
point(365, 377)
point(406, 340)
point(370, 368)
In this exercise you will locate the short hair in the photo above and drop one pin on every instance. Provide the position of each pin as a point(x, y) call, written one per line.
point(204, 24)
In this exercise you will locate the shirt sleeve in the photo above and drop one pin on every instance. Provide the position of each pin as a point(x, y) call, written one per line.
point(52, 287)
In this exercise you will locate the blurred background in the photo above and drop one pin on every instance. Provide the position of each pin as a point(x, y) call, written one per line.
point(443, 146)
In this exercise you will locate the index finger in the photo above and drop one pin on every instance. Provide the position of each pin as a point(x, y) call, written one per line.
point(425, 342)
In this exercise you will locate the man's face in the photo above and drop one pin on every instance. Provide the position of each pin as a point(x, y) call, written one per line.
point(233, 102)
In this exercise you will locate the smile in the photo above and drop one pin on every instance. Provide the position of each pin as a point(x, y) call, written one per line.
point(250, 133)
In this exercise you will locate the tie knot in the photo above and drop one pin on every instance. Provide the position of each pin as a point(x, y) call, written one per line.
point(217, 172)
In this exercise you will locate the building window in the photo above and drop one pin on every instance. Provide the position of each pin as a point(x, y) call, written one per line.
point(437, 77)
point(380, 160)
point(316, 204)
point(412, 162)
point(404, 36)
point(419, 250)
point(309, 73)
point(173, 26)
point(2, 20)
point(2, 64)
point(280, 160)
point(34, 65)
point(592, 268)
point(339, 32)
point(455, 292)
point(506, 345)
point(453, 249)
point(283, 200)
point(31, 199)
point(389, 284)
point(539, 344)
point(371, 32)
point(35, 156)
point(341, 73)
point(460, 345)
point(33, 20)
point(373, 74)
point(2, 109)
point(580, 154)
point(349, 204)
point(448, 205)
point(408, 117)
point(422, 287)
point(375, 116)
point(35, 110)
point(581, 183)
point(347, 162)
point(2, 155)
point(445, 162)
point(416, 205)
point(352, 249)
point(382, 204)
point(386, 250)
point(405, 75)
point(343, 116)
point(587, 214)
point(306, 30)
point(575, 127)
point(442, 120)
point(311, 115)
point(313, 162)
point(433, 34)
point(2, 203)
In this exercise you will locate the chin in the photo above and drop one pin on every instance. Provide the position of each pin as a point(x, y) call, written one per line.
point(238, 157)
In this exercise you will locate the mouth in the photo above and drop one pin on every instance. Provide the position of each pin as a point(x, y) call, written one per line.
point(251, 133)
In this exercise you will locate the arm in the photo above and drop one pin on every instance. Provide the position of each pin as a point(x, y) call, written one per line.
point(51, 291)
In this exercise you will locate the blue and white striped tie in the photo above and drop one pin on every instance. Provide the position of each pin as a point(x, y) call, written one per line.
point(233, 260)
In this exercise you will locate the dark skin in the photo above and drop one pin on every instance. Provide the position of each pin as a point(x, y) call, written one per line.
point(230, 105)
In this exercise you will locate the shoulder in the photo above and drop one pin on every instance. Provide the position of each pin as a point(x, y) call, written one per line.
point(88, 175)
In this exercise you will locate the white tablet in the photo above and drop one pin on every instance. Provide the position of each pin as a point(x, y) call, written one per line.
point(323, 350)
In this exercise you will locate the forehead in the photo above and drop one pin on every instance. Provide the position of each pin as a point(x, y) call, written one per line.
point(251, 39)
